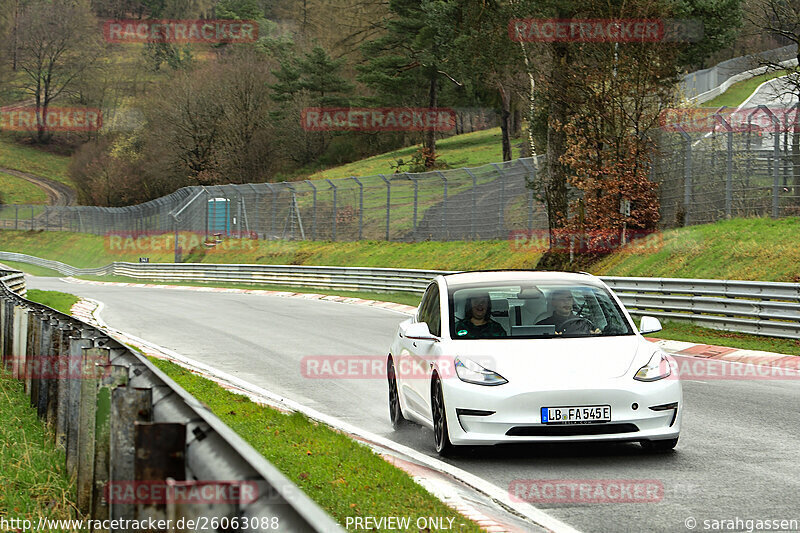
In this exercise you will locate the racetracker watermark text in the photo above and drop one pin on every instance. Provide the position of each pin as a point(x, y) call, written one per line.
point(51, 119)
point(180, 31)
point(378, 119)
point(586, 490)
point(605, 30)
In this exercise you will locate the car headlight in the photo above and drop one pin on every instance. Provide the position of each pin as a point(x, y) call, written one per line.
point(472, 372)
point(657, 368)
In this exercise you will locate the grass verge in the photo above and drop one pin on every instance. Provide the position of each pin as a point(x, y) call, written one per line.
point(33, 479)
point(33, 270)
point(344, 477)
point(84, 250)
point(60, 301)
point(739, 92)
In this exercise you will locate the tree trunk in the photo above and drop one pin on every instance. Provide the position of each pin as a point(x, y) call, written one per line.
point(796, 162)
point(430, 135)
point(505, 119)
point(556, 188)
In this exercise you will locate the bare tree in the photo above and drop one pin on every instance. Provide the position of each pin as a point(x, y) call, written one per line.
point(58, 42)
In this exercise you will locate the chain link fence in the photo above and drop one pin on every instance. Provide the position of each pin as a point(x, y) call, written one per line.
point(736, 169)
point(485, 202)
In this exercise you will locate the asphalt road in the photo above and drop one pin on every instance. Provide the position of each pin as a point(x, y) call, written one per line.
point(737, 457)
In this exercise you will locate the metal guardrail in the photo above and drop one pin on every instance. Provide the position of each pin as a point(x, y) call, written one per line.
point(124, 423)
point(757, 307)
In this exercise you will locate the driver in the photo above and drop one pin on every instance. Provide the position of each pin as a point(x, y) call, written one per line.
point(477, 322)
point(563, 318)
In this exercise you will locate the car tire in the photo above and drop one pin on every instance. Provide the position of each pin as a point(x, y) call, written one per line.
point(395, 412)
point(441, 437)
point(659, 446)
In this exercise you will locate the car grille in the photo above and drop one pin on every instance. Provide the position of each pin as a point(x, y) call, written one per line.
point(571, 430)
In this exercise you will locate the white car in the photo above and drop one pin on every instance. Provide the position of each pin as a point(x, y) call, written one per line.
point(517, 356)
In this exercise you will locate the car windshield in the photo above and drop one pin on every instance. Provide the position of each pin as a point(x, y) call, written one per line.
point(526, 309)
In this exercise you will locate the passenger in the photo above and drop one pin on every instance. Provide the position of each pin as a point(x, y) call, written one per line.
point(477, 322)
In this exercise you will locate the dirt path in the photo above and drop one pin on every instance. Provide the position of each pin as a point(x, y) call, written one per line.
point(57, 192)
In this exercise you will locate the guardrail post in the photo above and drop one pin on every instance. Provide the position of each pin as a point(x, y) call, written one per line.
point(20, 339)
point(388, 201)
point(63, 336)
point(76, 345)
point(128, 404)
point(89, 376)
point(160, 454)
point(111, 376)
point(31, 352)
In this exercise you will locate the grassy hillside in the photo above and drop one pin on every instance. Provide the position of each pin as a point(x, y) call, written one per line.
point(467, 150)
point(15, 190)
point(33, 160)
point(83, 250)
point(750, 249)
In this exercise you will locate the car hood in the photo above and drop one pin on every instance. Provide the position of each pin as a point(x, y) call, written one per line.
point(552, 360)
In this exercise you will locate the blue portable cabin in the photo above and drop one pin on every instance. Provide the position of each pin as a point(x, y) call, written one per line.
point(219, 215)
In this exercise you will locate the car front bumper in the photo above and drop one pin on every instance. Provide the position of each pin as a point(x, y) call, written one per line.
point(516, 414)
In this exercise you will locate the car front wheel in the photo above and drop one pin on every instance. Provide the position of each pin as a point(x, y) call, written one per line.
point(440, 433)
point(395, 413)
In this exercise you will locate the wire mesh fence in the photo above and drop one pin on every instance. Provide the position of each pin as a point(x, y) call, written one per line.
point(728, 167)
point(738, 164)
point(485, 202)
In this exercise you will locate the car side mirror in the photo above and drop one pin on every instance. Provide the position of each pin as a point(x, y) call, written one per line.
point(419, 331)
point(649, 324)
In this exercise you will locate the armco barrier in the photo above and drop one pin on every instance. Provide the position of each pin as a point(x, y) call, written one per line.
point(758, 307)
point(124, 423)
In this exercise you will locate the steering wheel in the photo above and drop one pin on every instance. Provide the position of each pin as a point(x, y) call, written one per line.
point(577, 324)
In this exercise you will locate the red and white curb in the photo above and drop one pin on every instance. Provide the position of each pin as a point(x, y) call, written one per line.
point(429, 472)
point(759, 364)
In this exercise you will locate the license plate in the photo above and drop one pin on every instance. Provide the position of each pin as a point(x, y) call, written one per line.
point(584, 414)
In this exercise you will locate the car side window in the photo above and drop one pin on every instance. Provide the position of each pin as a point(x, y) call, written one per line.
point(435, 317)
point(429, 311)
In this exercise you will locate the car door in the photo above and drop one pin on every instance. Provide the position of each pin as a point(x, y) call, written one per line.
point(425, 354)
point(413, 363)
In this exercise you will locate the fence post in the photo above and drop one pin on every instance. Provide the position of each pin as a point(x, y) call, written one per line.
point(474, 202)
point(388, 201)
point(334, 188)
point(445, 231)
point(360, 207)
point(728, 165)
point(687, 176)
point(127, 404)
point(776, 171)
point(416, 190)
point(314, 209)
